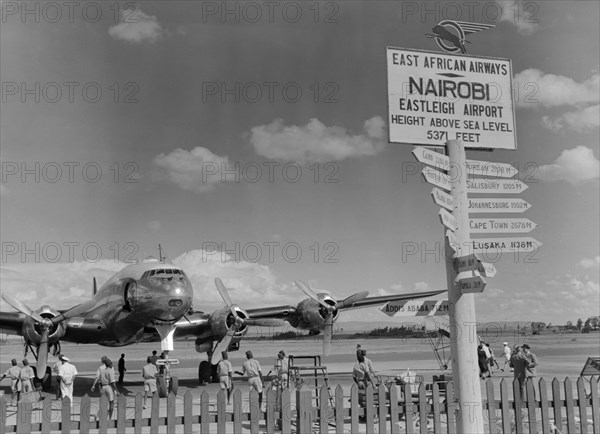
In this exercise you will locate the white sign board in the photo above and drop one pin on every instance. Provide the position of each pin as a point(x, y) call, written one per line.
point(416, 308)
point(500, 226)
point(434, 97)
point(473, 167)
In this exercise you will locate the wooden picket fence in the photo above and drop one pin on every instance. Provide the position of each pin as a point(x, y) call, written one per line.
point(430, 410)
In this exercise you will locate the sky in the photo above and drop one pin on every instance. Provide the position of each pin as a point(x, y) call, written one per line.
point(251, 141)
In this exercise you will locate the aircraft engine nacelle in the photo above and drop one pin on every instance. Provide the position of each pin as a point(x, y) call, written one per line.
point(32, 331)
point(222, 320)
point(202, 345)
point(311, 315)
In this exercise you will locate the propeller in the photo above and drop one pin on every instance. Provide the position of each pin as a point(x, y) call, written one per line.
point(330, 309)
point(223, 344)
point(45, 324)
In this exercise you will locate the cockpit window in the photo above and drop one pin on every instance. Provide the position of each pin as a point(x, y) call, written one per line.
point(152, 272)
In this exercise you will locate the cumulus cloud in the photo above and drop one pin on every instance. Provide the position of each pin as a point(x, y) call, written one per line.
point(590, 262)
point(575, 166)
point(582, 120)
point(317, 143)
point(136, 27)
point(520, 14)
point(550, 90)
point(198, 170)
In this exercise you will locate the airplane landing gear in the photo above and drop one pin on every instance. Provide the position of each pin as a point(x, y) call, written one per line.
point(207, 373)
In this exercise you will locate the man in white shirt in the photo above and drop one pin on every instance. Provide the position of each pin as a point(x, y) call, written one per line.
point(225, 373)
point(507, 355)
point(67, 373)
point(251, 368)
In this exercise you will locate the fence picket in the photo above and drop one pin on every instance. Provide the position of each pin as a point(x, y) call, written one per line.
point(569, 406)
point(491, 405)
point(544, 405)
point(339, 408)
point(408, 409)
point(47, 413)
point(394, 421)
point(3, 414)
point(595, 403)
point(451, 408)
point(531, 406)
point(171, 405)
point(138, 404)
point(221, 410)
point(286, 411)
point(505, 406)
point(354, 408)
point(382, 408)
point(368, 410)
point(255, 412)
point(517, 396)
point(24, 417)
point(121, 413)
point(581, 395)
point(154, 420)
point(204, 415)
point(422, 409)
point(237, 410)
point(65, 416)
point(435, 397)
point(556, 404)
point(323, 410)
point(188, 414)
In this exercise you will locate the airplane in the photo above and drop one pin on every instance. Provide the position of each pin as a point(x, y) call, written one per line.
point(151, 301)
point(441, 32)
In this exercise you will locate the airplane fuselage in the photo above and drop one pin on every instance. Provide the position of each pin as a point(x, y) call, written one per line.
point(139, 296)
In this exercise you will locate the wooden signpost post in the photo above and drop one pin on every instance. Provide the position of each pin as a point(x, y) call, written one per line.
point(437, 99)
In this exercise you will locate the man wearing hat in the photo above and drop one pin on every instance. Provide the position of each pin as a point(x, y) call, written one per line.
point(507, 354)
point(67, 373)
point(15, 385)
point(281, 369)
point(26, 376)
point(520, 363)
point(532, 359)
point(251, 368)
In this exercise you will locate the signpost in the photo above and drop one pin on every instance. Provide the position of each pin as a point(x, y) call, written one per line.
point(416, 308)
point(462, 102)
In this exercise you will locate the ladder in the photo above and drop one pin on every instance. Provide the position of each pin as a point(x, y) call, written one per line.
point(297, 371)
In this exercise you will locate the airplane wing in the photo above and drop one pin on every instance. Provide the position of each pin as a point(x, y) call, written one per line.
point(277, 312)
point(282, 312)
point(378, 301)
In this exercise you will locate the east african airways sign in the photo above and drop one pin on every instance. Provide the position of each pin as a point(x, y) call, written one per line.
point(434, 97)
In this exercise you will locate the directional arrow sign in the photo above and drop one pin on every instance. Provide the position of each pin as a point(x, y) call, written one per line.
point(490, 169)
point(436, 178)
point(486, 269)
point(441, 198)
point(474, 167)
point(416, 308)
point(500, 225)
point(497, 205)
point(453, 241)
point(469, 282)
point(447, 219)
point(495, 186)
point(492, 246)
point(473, 262)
